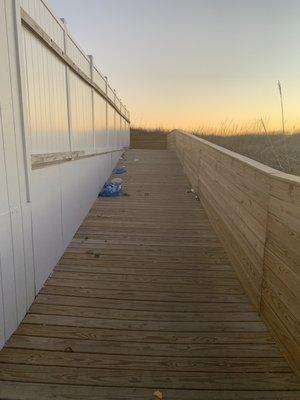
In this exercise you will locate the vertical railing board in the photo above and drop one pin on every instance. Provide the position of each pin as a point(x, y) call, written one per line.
point(256, 212)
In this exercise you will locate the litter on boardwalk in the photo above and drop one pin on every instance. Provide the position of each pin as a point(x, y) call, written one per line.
point(158, 395)
point(120, 170)
point(190, 190)
point(118, 181)
point(111, 189)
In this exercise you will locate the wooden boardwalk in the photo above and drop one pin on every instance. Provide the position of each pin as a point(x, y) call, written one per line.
point(145, 298)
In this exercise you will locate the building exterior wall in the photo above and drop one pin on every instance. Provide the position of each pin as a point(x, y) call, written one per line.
point(57, 148)
point(46, 92)
point(60, 205)
point(16, 256)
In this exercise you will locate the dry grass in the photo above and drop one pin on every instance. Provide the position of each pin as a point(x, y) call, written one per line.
point(279, 151)
point(147, 132)
point(276, 150)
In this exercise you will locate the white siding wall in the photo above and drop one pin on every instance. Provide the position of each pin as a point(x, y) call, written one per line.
point(45, 107)
point(54, 125)
point(117, 103)
point(61, 197)
point(47, 97)
point(101, 136)
point(41, 13)
point(99, 80)
point(123, 134)
point(119, 130)
point(81, 112)
point(77, 56)
point(111, 125)
point(16, 258)
point(127, 135)
point(111, 94)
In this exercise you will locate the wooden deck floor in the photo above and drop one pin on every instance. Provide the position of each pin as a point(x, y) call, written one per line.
point(145, 298)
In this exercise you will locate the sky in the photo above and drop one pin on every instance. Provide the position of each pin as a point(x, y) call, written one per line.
point(202, 65)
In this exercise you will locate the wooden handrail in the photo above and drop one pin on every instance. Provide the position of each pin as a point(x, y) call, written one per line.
point(255, 209)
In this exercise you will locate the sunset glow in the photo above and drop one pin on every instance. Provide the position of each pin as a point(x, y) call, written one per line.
point(195, 64)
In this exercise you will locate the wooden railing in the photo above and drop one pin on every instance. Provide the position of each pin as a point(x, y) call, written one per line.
point(255, 210)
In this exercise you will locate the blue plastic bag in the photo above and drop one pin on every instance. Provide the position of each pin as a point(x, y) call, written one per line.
point(111, 189)
point(119, 170)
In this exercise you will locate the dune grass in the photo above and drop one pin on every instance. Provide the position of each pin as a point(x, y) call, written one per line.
point(145, 132)
point(277, 150)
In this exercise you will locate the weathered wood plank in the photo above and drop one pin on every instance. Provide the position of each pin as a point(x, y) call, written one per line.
point(152, 279)
point(148, 363)
point(146, 287)
point(37, 391)
point(144, 305)
point(152, 379)
point(141, 295)
point(141, 315)
point(144, 348)
point(77, 332)
point(131, 269)
point(170, 326)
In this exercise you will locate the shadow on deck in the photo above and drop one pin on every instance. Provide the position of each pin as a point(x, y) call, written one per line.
point(145, 298)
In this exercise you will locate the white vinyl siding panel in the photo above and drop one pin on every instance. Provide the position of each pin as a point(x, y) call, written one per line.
point(100, 122)
point(123, 130)
point(99, 80)
point(81, 114)
point(118, 130)
point(117, 103)
point(46, 96)
point(111, 125)
point(110, 94)
point(78, 57)
point(40, 12)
